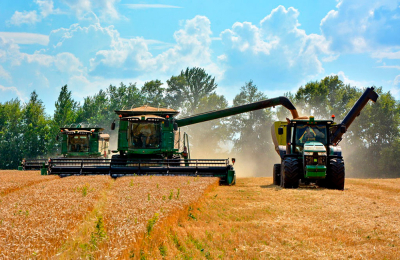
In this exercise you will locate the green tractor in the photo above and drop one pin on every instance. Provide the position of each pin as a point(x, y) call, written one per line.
point(149, 143)
point(309, 149)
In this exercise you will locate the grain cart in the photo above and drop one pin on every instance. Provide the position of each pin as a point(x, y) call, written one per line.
point(148, 144)
point(309, 149)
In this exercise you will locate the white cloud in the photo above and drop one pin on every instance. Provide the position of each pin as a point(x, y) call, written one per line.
point(67, 63)
point(392, 55)
point(14, 90)
point(9, 52)
point(24, 17)
point(347, 80)
point(276, 47)
point(106, 8)
point(26, 38)
point(146, 6)
point(397, 80)
point(4, 74)
point(390, 67)
point(127, 56)
point(358, 26)
point(46, 8)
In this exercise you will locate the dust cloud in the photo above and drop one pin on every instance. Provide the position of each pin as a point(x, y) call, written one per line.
point(245, 165)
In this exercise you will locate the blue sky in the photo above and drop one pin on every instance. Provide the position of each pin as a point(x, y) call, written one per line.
point(280, 45)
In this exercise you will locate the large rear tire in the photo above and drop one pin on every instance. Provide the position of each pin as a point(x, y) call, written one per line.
point(336, 174)
point(290, 173)
point(277, 174)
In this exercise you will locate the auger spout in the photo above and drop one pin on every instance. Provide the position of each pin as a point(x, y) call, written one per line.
point(216, 114)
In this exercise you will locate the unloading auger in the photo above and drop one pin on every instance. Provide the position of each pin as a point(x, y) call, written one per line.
point(148, 144)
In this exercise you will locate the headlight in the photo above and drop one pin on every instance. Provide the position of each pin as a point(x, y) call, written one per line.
point(322, 153)
point(308, 153)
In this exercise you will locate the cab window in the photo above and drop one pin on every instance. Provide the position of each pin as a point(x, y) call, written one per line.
point(308, 133)
point(144, 135)
point(78, 143)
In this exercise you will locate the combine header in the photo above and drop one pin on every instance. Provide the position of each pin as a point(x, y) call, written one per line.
point(149, 143)
point(33, 164)
point(309, 148)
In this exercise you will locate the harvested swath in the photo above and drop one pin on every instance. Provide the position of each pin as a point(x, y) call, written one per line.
point(14, 180)
point(136, 205)
point(258, 220)
point(35, 221)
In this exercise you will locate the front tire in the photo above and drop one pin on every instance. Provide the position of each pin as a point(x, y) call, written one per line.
point(290, 173)
point(336, 174)
point(277, 174)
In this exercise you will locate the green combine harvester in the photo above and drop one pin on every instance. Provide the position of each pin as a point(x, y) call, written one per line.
point(84, 142)
point(149, 144)
point(309, 149)
point(77, 141)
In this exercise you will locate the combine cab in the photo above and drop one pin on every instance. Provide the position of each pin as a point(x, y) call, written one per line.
point(309, 148)
point(149, 144)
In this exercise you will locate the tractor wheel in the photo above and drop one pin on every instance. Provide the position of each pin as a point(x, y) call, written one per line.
point(277, 174)
point(336, 174)
point(290, 173)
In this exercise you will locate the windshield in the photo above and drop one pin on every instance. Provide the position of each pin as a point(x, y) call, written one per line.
point(78, 143)
point(307, 133)
point(144, 135)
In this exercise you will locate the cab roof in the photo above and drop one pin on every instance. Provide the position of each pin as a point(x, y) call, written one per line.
point(147, 110)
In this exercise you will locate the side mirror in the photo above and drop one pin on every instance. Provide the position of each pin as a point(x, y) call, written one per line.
point(343, 129)
point(175, 126)
point(57, 138)
point(280, 131)
point(113, 126)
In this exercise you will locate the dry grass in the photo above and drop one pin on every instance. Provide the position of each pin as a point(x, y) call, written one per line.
point(13, 180)
point(258, 220)
point(170, 217)
point(137, 206)
point(36, 220)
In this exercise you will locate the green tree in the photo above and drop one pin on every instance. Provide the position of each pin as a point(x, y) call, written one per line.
point(35, 128)
point(64, 114)
point(210, 137)
point(324, 98)
point(372, 135)
point(187, 89)
point(251, 131)
point(153, 93)
point(10, 134)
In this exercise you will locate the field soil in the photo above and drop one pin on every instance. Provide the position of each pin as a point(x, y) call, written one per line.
point(150, 217)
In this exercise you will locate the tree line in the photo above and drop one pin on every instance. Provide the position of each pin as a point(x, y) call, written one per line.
point(372, 142)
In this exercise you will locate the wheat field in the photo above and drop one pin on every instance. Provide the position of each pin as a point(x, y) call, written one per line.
point(154, 217)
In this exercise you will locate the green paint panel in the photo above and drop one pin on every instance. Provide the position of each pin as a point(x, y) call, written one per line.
point(315, 171)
